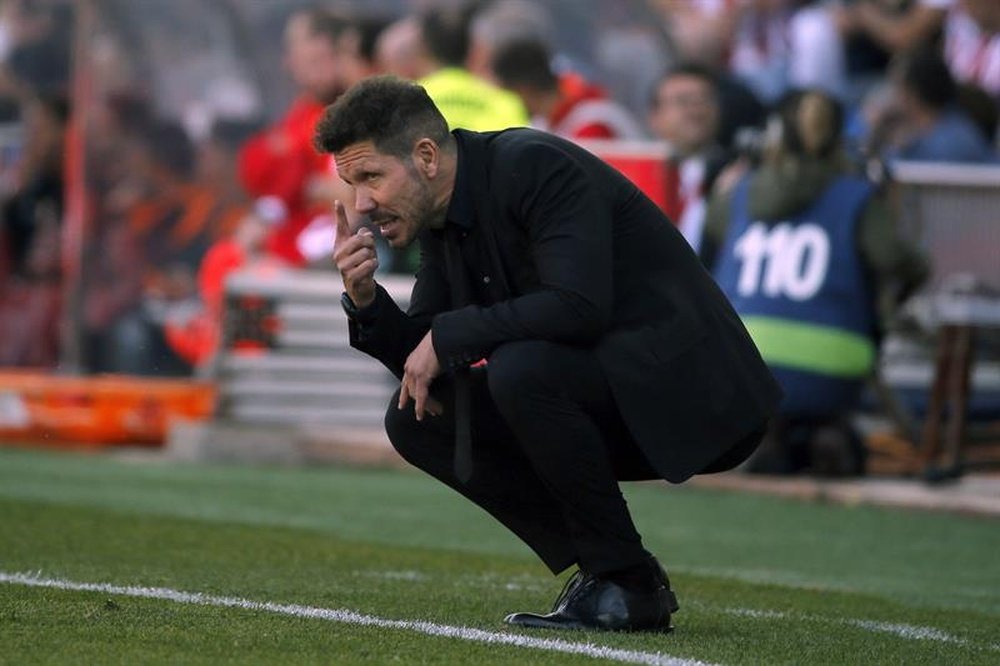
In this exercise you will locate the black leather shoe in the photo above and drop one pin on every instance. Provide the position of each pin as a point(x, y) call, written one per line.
point(591, 602)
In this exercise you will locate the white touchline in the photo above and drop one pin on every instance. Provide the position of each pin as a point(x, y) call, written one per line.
point(352, 617)
point(908, 631)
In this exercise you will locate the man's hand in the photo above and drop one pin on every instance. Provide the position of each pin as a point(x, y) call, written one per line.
point(420, 370)
point(356, 259)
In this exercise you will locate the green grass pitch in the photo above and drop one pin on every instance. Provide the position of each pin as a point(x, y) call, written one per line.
point(760, 580)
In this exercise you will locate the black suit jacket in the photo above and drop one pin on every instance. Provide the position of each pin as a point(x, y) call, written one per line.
point(572, 252)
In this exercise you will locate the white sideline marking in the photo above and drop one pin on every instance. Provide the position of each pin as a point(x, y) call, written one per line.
point(352, 617)
point(754, 612)
point(414, 576)
point(908, 631)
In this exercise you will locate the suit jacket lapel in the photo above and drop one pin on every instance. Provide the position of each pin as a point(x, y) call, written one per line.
point(474, 147)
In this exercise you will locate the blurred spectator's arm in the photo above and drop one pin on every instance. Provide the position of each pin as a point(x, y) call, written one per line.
point(901, 32)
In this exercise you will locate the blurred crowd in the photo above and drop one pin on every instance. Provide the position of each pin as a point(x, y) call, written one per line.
point(34, 112)
point(138, 168)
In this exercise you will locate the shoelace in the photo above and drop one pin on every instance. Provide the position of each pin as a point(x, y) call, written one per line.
point(576, 584)
point(572, 586)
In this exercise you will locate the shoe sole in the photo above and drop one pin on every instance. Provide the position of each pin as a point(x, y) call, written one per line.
point(531, 621)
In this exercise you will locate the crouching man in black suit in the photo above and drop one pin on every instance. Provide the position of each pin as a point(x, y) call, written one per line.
point(609, 352)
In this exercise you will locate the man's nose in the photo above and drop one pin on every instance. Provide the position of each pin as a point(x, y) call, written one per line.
point(363, 202)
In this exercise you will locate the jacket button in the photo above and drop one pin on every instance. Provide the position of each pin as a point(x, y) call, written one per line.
point(486, 279)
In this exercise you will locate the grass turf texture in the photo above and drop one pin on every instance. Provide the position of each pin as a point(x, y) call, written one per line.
point(760, 580)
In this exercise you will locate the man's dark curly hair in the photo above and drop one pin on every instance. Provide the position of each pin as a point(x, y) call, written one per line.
point(391, 113)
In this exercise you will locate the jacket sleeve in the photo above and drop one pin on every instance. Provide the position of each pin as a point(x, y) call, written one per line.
point(567, 223)
point(385, 332)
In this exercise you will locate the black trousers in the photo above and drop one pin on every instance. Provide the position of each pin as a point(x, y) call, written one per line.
point(549, 447)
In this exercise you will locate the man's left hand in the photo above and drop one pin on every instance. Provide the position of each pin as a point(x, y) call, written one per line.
point(421, 368)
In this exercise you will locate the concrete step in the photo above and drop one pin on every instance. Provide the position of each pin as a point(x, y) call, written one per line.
point(328, 391)
point(345, 361)
point(302, 415)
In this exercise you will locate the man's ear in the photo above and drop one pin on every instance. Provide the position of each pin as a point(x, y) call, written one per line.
point(426, 155)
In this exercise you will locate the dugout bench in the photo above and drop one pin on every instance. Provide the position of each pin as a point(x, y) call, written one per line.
point(953, 211)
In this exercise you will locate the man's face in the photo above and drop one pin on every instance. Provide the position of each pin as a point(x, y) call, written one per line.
point(353, 66)
point(686, 113)
point(313, 61)
point(391, 191)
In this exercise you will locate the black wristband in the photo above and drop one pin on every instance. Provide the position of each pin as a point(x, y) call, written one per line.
point(363, 315)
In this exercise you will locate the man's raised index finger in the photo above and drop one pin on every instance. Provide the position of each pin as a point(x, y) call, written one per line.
point(343, 226)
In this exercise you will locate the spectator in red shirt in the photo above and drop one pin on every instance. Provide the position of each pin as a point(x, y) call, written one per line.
point(279, 167)
point(566, 105)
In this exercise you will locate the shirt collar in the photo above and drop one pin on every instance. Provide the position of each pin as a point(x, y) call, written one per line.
point(461, 210)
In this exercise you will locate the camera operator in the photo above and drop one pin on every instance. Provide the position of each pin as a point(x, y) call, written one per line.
point(809, 256)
